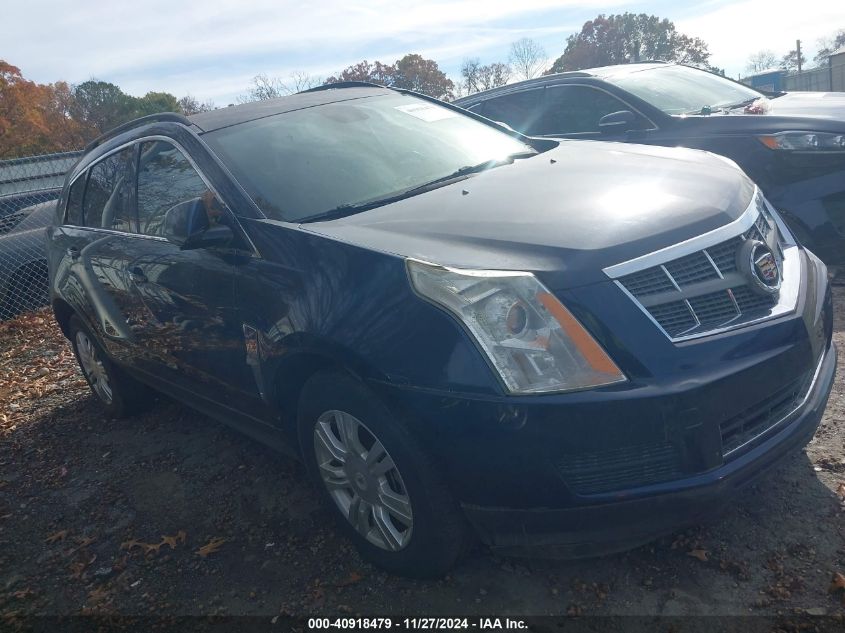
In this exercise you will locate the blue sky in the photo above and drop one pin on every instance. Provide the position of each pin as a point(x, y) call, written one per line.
point(212, 49)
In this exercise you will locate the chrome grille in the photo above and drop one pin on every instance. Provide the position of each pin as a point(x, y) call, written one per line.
point(724, 255)
point(700, 291)
point(715, 307)
point(691, 269)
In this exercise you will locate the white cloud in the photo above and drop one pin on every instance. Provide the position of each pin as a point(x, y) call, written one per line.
point(148, 45)
point(736, 31)
point(213, 48)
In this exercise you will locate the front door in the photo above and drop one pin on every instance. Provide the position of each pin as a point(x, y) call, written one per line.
point(183, 315)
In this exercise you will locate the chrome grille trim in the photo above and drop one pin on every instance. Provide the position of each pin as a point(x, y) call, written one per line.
point(694, 289)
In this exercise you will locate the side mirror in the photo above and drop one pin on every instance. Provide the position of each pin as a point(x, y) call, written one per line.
point(617, 122)
point(187, 226)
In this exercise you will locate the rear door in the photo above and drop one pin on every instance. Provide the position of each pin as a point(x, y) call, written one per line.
point(95, 238)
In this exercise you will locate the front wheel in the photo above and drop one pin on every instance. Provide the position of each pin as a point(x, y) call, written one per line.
point(386, 493)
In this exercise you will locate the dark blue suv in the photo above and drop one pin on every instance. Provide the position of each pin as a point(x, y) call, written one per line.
point(571, 344)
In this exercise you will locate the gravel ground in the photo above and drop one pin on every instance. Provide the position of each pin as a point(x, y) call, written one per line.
point(171, 513)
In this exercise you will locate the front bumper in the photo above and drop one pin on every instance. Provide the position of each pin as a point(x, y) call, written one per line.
point(696, 421)
point(635, 516)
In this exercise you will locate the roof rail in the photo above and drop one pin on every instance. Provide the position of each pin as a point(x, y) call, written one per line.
point(346, 84)
point(159, 117)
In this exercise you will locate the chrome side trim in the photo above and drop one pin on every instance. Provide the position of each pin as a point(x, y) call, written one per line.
point(692, 245)
point(188, 157)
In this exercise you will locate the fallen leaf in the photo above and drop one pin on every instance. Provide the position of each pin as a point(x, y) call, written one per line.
point(837, 583)
point(700, 554)
point(131, 544)
point(351, 580)
point(840, 490)
point(211, 547)
point(58, 536)
point(23, 593)
point(98, 594)
point(173, 540)
point(151, 547)
point(82, 542)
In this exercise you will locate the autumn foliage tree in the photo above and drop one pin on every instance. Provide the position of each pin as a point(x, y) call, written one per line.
point(629, 37)
point(43, 118)
point(35, 118)
point(411, 72)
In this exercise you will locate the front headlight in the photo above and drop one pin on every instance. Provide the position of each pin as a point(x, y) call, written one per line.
point(532, 340)
point(804, 141)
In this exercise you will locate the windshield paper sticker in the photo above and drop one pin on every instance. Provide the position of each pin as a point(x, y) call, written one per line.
point(427, 112)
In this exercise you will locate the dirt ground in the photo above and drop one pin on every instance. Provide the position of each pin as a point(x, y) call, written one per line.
point(171, 513)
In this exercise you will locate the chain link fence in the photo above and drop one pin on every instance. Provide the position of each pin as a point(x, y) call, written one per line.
point(29, 189)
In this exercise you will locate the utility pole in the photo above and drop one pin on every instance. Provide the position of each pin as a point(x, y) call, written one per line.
point(798, 50)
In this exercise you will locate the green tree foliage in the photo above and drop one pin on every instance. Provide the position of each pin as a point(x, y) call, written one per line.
point(101, 105)
point(154, 102)
point(626, 38)
point(411, 72)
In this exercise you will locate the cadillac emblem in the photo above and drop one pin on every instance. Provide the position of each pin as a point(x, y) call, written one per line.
point(760, 266)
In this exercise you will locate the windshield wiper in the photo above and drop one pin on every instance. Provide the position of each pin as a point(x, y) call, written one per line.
point(724, 108)
point(459, 174)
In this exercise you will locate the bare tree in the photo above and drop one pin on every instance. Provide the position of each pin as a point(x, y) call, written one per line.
point(477, 77)
point(493, 75)
point(301, 80)
point(761, 60)
point(191, 105)
point(264, 87)
point(528, 58)
point(469, 72)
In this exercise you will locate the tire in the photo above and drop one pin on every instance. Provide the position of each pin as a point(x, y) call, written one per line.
point(119, 394)
point(429, 531)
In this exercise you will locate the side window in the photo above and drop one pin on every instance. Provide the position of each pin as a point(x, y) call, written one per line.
point(518, 109)
point(74, 201)
point(578, 109)
point(108, 197)
point(165, 179)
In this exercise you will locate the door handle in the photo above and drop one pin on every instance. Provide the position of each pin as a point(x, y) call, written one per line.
point(137, 275)
point(73, 252)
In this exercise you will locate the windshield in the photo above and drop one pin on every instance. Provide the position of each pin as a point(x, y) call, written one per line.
point(683, 90)
point(303, 164)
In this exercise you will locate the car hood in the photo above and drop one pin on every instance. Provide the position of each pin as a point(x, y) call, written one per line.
point(828, 105)
point(567, 213)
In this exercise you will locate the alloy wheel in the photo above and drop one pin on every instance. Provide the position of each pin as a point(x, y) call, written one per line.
point(92, 366)
point(363, 480)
